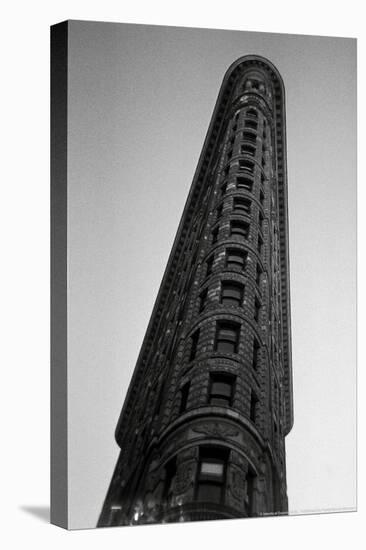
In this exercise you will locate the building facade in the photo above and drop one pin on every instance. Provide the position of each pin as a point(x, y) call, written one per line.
point(202, 430)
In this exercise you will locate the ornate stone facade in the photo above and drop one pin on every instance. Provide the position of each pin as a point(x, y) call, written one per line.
point(202, 430)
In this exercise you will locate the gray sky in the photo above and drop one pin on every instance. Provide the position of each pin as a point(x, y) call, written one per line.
point(140, 101)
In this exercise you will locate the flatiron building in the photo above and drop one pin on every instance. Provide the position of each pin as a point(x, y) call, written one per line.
point(202, 429)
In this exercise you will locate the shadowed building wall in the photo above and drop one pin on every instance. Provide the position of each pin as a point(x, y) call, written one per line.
point(202, 430)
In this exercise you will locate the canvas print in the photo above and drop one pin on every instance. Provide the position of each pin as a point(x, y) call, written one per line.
point(203, 274)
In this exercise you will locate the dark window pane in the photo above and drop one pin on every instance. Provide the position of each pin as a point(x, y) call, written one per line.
point(209, 264)
point(246, 165)
point(184, 397)
point(248, 150)
point(239, 228)
point(226, 347)
point(209, 492)
point(244, 183)
point(232, 294)
point(248, 136)
point(221, 388)
point(220, 401)
point(203, 298)
point(243, 205)
point(194, 344)
point(236, 258)
point(256, 349)
point(251, 124)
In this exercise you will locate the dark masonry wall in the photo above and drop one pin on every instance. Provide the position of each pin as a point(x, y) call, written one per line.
point(202, 430)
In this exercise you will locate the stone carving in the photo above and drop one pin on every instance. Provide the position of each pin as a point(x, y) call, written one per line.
point(216, 429)
point(183, 479)
point(237, 485)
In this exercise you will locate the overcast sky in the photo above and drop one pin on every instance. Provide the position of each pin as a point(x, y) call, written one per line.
point(140, 101)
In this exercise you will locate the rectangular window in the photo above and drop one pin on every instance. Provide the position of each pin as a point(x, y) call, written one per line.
point(248, 150)
point(257, 309)
point(249, 497)
point(194, 344)
point(170, 473)
point(215, 234)
point(244, 183)
point(248, 136)
point(221, 389)
point(219, 210)
point(159, 400)
point(258, 274)
point(209, 264)
point(211, 475)
point(242, 205)
point(260, 220)
point(251, 113)
point(223, 189)
point(184, 393)
point(227, 337)
point(231, 293)
point(260, 245)
point(253, 406)
point(236, 258)
point(256, 350)
point(202, 300)
point(261, 197)
point(251, 124)
point(239, 229)
point(247, 166)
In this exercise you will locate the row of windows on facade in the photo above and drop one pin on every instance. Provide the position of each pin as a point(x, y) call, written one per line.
point(227, 338)
point(238, 228)
point(249, 147)
point(250, 121)
point(254, 84)
point(246, 166)
point(235, 258)
point(221, 393)
point(242, 205)
point(232, 294)
point(211, 478)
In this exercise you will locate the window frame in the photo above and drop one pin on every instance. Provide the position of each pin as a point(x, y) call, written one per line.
point(231, 301)
point(194, 344)
point(225, 379)
point(239, 253)
point(211, 455)
point(241, 229)
point(224, 327)
point(245, 205)
point(244, 182)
